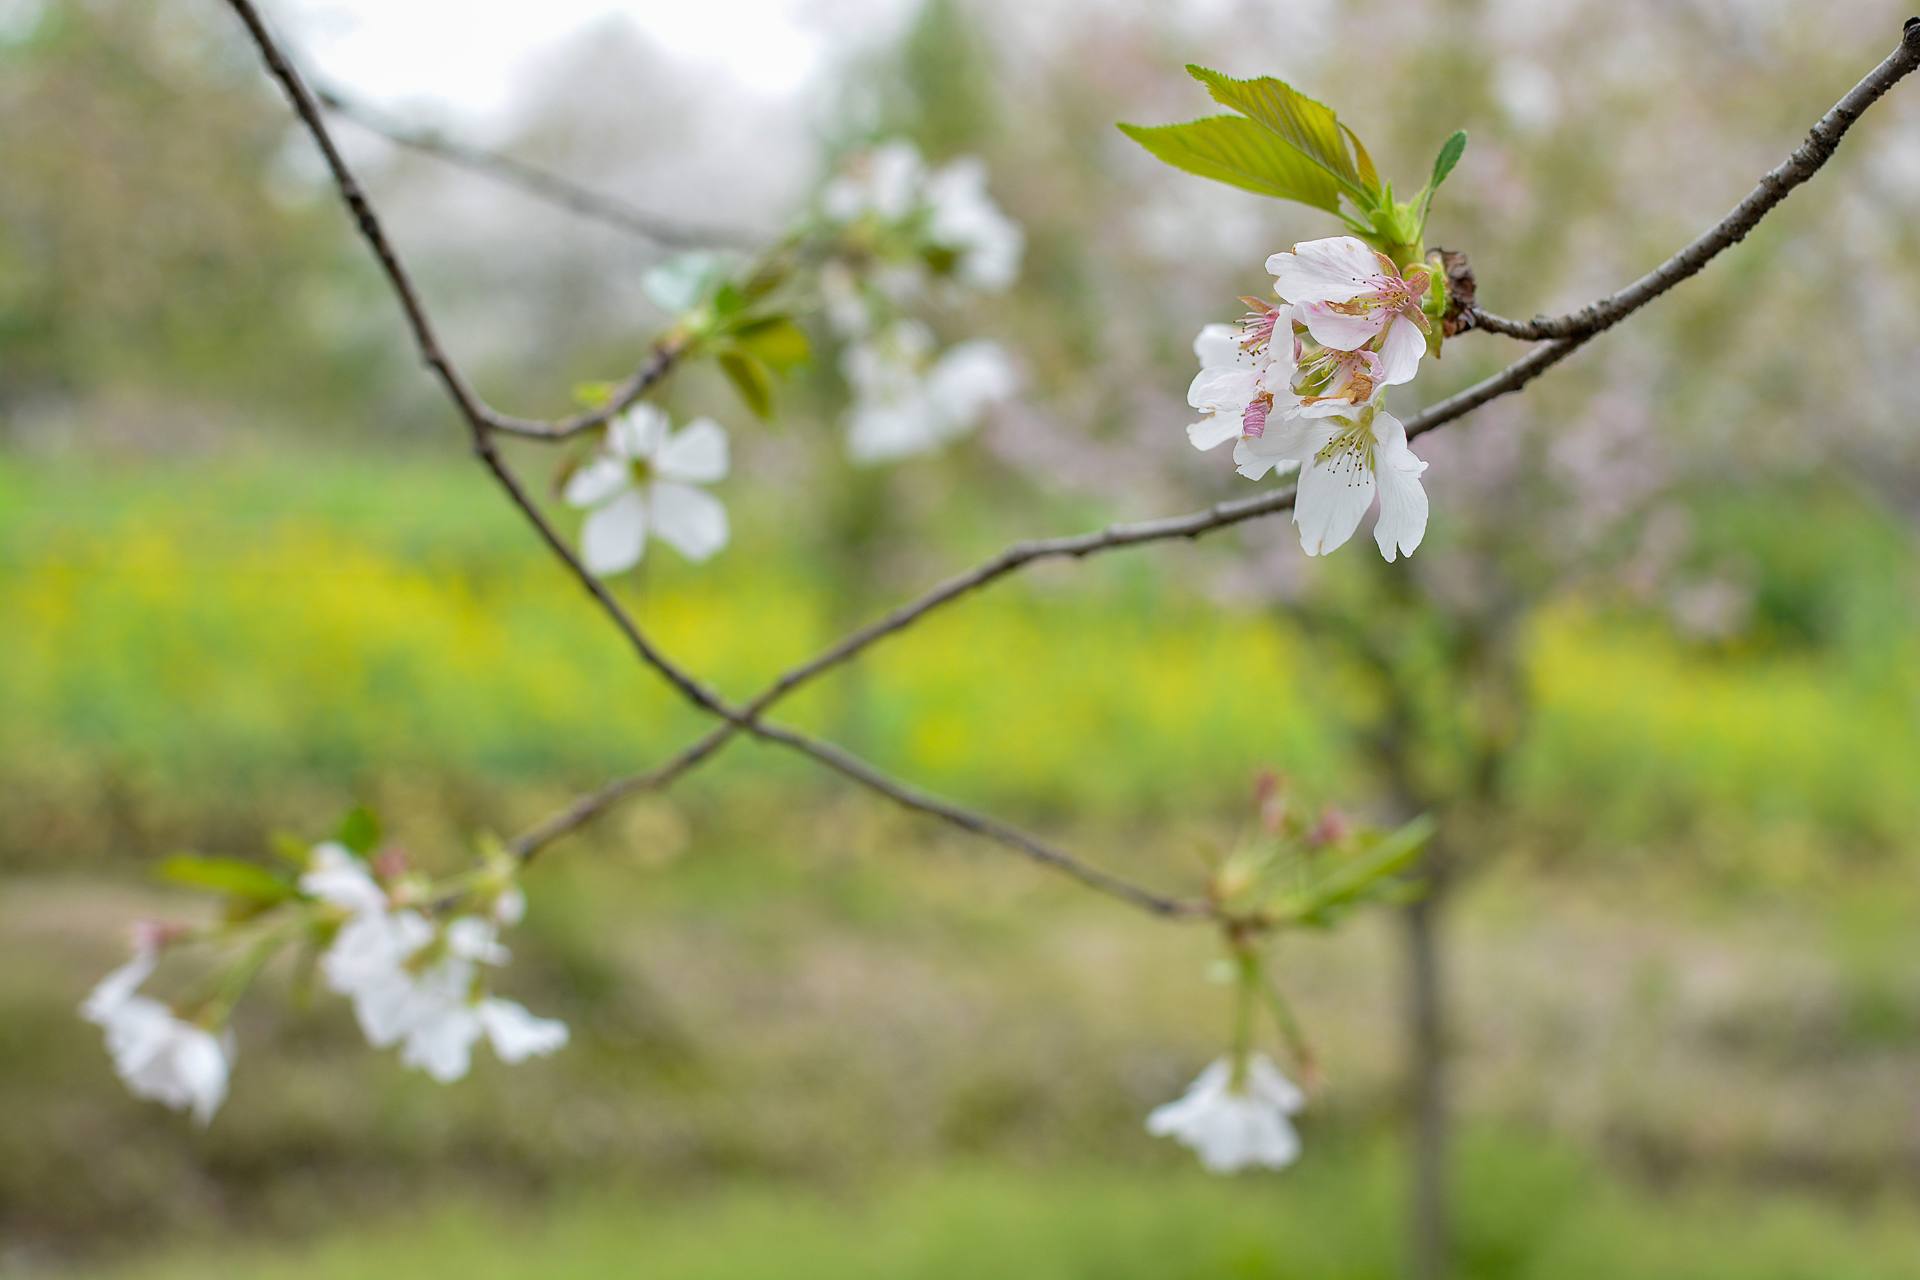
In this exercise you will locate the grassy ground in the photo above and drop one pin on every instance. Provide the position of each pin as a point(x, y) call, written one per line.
point(1689, 1018)
point(1533, 1214)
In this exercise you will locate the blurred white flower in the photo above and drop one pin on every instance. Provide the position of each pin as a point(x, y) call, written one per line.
point(1350, 296)
point(963, 218)
point(907, 400)
point(641, 483)
point(422, 988)
point(1233, 1124)
point(159, 1056)
point(336, 876)
point(884, 182)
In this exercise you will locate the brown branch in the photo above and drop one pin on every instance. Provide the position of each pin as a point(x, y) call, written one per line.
point(481, 424)
point(535, 181)
point(1772, 189)
point(1775, 185)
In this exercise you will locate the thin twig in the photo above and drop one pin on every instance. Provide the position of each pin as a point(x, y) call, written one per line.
point(481, 426)
point(1773, 187)
point(1776, 185)
point(535, 181)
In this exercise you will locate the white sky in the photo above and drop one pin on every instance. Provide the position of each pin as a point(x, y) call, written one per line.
point(468, 55)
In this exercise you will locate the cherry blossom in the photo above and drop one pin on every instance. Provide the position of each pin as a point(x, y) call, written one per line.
point(1350, 296)
point(1345, 461)
point(642, 483)
point(1235, 1120)
point(159, 1056)
point(963, 218)
point(908, 400)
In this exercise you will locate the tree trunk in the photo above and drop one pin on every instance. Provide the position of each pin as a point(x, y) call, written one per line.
point(1429, 1224)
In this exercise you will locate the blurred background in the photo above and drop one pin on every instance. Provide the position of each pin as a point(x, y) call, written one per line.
point(1656, 670)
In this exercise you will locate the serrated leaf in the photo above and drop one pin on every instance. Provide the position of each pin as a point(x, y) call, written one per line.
point(1241, 153)
point(751, 379)
point(1309, 127)
point(359, 831)
point(244, 881)
point(775, 341)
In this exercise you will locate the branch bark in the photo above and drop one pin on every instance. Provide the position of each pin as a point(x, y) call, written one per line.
point(1775, 185)
point(1567, 334)
point(482, 423)
point(537, 182)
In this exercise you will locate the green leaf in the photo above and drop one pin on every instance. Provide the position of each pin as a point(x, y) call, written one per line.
point(592, 395)
point(1450, 152)
point(1367, 872)
point(776, 341)
point(245, 881)
point(751, 379)
point(290, 849)
point(359, 831)
point(1309, 127)
point(1239, 152)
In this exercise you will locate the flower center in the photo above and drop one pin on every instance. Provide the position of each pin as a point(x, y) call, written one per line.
point(1350, 452)
point(641, 469)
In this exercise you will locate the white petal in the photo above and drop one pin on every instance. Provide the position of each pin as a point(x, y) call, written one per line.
point(476, 939)
point(1265, 1081)
point(1340, 331)
point(696, 454)
point(510, 908)
point(692, 522)
point(597, 480)
point(334, 875)
point(1334, 495)
point(113, 991)
point(1224, 389)
point(1400, 351)
point(1403, 500)
point(1336, 269)
point(1218, 344)
point(614, 535)
point(637, 433)
point(516, 1034)
point(968, 378)
point(442, 1046)
point(1213, 431)
point(1283, 444)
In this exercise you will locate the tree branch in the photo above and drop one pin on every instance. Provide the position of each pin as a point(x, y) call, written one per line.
point(481, 425)
point(1775, 185)
point(536, 181)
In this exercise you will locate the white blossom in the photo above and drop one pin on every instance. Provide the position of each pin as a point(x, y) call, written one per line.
point(159, 1055)
point(642, 482)
point(1234, 1124)
point(963, 218)
point(422, 988)
point(885, 182)
point(336, 876)
point(1350, 296)
point(1345, 461)
point(908, 400)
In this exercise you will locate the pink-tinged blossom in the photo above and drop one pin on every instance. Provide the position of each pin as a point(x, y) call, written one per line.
point(1234, 1121)
point(1350, 296)
point(1235, 388)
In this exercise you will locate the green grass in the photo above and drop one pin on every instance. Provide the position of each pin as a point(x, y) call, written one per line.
point(199, 651)
point(1529, 1214)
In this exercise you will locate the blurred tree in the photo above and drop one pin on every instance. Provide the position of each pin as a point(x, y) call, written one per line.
point(139, 246)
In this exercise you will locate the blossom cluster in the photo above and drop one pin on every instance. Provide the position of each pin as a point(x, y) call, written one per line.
point(909, 234)
point(416, 976)
point(1298, 385)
